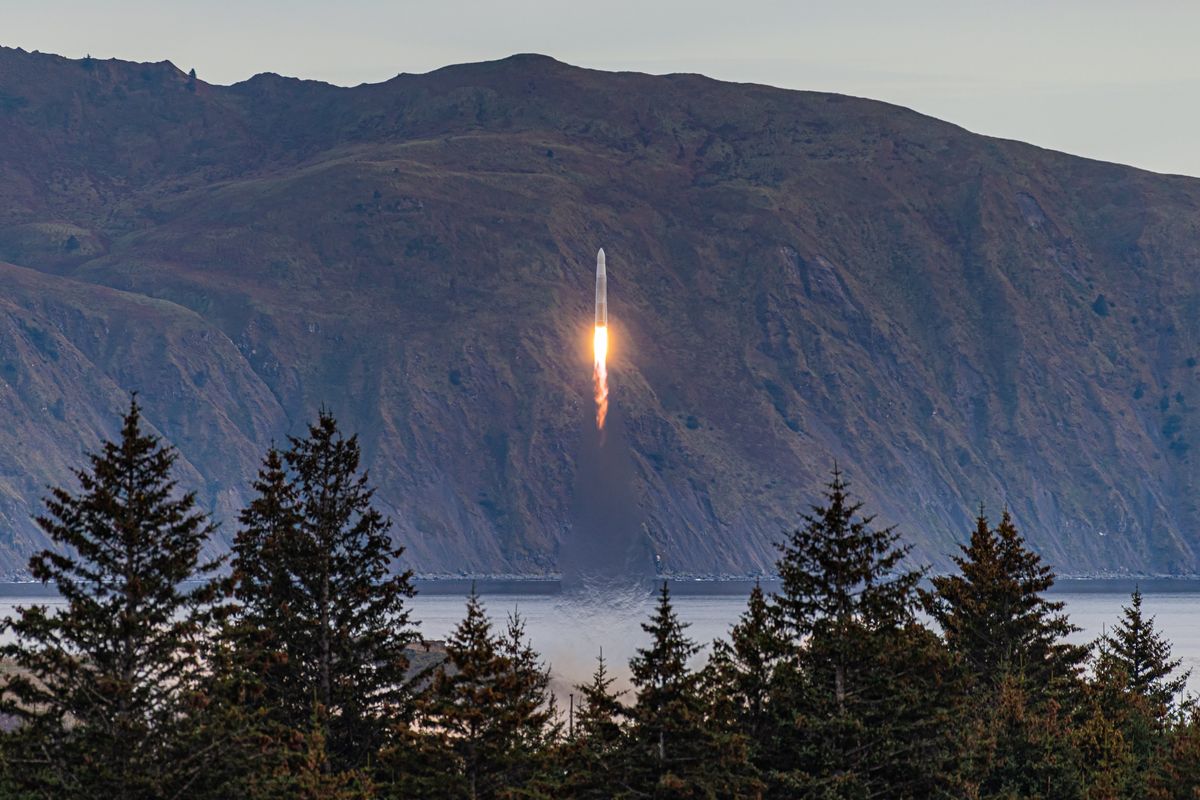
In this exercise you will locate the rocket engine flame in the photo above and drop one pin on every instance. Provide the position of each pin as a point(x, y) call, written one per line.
point(600, 374)
point(600, 341)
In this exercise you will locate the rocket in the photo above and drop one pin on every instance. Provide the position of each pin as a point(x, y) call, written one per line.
point(601, 291)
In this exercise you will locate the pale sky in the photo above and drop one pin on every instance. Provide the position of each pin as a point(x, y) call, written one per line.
point(1111, 80)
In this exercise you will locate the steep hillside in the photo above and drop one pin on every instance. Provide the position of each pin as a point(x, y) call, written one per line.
point(795, 278)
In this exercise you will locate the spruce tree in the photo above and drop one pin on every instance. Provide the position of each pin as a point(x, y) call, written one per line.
point(838, 569)
point(598, 719)
point(1020, 673)
point(594, 757)
point(104, 683)
point(490, 706)
point(315, 581)
point(269, 528)
point(301, 772)
point(1133, 692)
point(462, 702)
point(1178, 774)
point(748, 662)
point(993, 613)
point(730, 754)
point(267, 595)
point(527, 707)
point(676, 748)
point(667, 714)
point(1142, 656)
point(860, 693)
point(840, 576)
point(1024, 748)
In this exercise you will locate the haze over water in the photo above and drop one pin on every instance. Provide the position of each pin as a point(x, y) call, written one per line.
point(569, 634)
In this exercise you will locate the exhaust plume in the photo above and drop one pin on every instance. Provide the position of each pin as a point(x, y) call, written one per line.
point(600, 374)
point(600, 342)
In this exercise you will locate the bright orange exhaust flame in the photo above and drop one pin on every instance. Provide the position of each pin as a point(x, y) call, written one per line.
point(600, 351)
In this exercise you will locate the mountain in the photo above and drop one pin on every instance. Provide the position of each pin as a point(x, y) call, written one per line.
point(795, 279)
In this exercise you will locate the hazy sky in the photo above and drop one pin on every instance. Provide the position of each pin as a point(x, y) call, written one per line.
point(1117, 81)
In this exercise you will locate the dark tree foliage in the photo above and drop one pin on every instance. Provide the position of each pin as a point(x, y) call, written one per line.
point(594, 762)
point(106, 683)
point(1025, 749)
point(741, 673)
point(1131, 701)
point(489, 707)
point(301, 771)
point(598, 719)
point(1142, 657)
point(1021, 676)
point(527, 706)
point(1178, 773)
point(994, 616)
point(838, 570)
point(462, 703)
point(667, 715)
point(676, 748)
point(1108, 748)
point(891, 732)
point(321, 608)
point(147, 683)
point(261, 760)
point(418, 760)
point(861, 705)
point(265, 592)
point(728, 767)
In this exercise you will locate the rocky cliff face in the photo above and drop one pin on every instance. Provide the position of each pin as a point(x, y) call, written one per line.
point(794, 278)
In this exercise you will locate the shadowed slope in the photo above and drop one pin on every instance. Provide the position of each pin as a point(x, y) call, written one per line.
point(794, 278)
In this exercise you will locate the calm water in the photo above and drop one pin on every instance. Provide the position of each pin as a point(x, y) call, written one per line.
point(570, 635)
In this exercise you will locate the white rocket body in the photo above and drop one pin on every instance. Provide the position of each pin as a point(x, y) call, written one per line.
point(601, 292)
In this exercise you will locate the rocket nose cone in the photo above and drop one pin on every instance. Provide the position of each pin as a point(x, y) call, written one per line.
point(600, 259)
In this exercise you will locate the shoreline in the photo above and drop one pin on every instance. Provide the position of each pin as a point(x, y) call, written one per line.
point(696, 585)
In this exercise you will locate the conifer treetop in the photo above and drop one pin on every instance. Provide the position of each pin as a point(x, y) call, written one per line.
point(993, 612)
point(838, 569)
point(1142, 655)
point(118, 663)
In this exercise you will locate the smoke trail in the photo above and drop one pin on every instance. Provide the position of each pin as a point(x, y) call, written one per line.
point(606, 552)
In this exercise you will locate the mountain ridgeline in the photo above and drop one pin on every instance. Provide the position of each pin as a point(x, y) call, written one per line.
point(795, 279)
